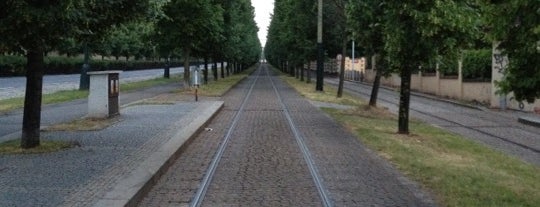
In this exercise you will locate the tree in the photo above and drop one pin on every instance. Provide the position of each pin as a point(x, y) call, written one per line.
point(242, 44)
point(365, 20)
point(188, 25)
point(36, 26)
point(341, 26)
point(516, 25)
point(416, 31)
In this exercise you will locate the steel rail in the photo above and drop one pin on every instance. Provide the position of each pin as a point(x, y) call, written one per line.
point(305, 150)
point(207, 179)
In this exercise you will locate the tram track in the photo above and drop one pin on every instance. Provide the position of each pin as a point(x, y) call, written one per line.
point(501, 138)
point(210, 172)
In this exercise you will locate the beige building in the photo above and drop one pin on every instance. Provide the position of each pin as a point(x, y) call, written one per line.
point(353, 71)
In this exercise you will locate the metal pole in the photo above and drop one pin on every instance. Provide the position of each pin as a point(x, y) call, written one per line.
point(84, 82)
point(320, 51)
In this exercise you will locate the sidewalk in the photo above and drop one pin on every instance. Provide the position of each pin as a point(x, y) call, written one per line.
point(111, 165)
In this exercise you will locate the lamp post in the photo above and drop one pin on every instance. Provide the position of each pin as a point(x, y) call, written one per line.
point(320, 51)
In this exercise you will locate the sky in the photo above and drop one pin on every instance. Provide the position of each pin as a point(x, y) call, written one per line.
point(263, 9)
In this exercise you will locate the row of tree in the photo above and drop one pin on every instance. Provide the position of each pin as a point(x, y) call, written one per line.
point(218, 30)
point(405, 35)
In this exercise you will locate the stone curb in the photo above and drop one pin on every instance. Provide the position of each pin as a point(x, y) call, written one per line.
point(532, 121)
point(132, 188)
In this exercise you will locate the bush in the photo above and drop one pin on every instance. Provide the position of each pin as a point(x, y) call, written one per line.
point(12, 65)
point(448, 66)
point(477, 65)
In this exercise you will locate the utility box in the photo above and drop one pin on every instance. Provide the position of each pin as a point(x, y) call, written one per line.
point(103, 96)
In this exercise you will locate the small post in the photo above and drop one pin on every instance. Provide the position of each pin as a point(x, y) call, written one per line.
point(196, 82)
point(167, 73)
point(84, 82)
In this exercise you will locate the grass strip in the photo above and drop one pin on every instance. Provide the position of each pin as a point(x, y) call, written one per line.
point(14, 147)
point(220, 87)
point(84, 124)
point(458, 171)
point(69, 95)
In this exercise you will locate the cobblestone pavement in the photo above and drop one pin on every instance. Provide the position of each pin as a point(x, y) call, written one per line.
point(263, 164)
point(499, 130)
point(81, 175)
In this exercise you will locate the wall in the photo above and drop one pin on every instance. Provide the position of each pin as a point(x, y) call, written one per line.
point(452, 88)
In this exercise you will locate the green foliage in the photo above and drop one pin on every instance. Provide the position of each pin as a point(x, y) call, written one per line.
point(12, 65)
point(416, 32)
point(15, 65)
point(188, 23)
point(127, 40)
point(365, 20)
point(477, 65)
point(448, 66)
point(44, 24)
point(515, 24)
point(241, 43)
point(293, 30)
point(13, 147)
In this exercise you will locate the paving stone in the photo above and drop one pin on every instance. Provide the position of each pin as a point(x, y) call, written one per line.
point(263, 165)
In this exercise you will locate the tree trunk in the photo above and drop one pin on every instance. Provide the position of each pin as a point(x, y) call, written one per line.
point(222, 69)
point(291, 68)
point(228, 69)
point(302, 70)
point(186, 67)
point(308, 72)
point(296, 71)
point(32, 99)
point(342, 68)
point(376, 85)
point(404, 100)
point(214, 71)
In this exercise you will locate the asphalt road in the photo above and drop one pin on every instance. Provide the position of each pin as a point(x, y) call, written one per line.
point(11, 87)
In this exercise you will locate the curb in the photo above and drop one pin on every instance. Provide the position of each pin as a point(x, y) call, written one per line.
point(532, 121)
point(132, 188)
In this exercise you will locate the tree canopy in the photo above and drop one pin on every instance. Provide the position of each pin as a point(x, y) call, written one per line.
point(129, 28)
point(34, 27)
point(515, 27)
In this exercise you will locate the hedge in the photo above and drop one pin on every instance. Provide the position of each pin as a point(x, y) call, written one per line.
point(477, 65)
point(15, 65)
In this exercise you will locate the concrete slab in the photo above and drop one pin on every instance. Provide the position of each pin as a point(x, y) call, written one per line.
point(530, 120)
point(129, 190)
